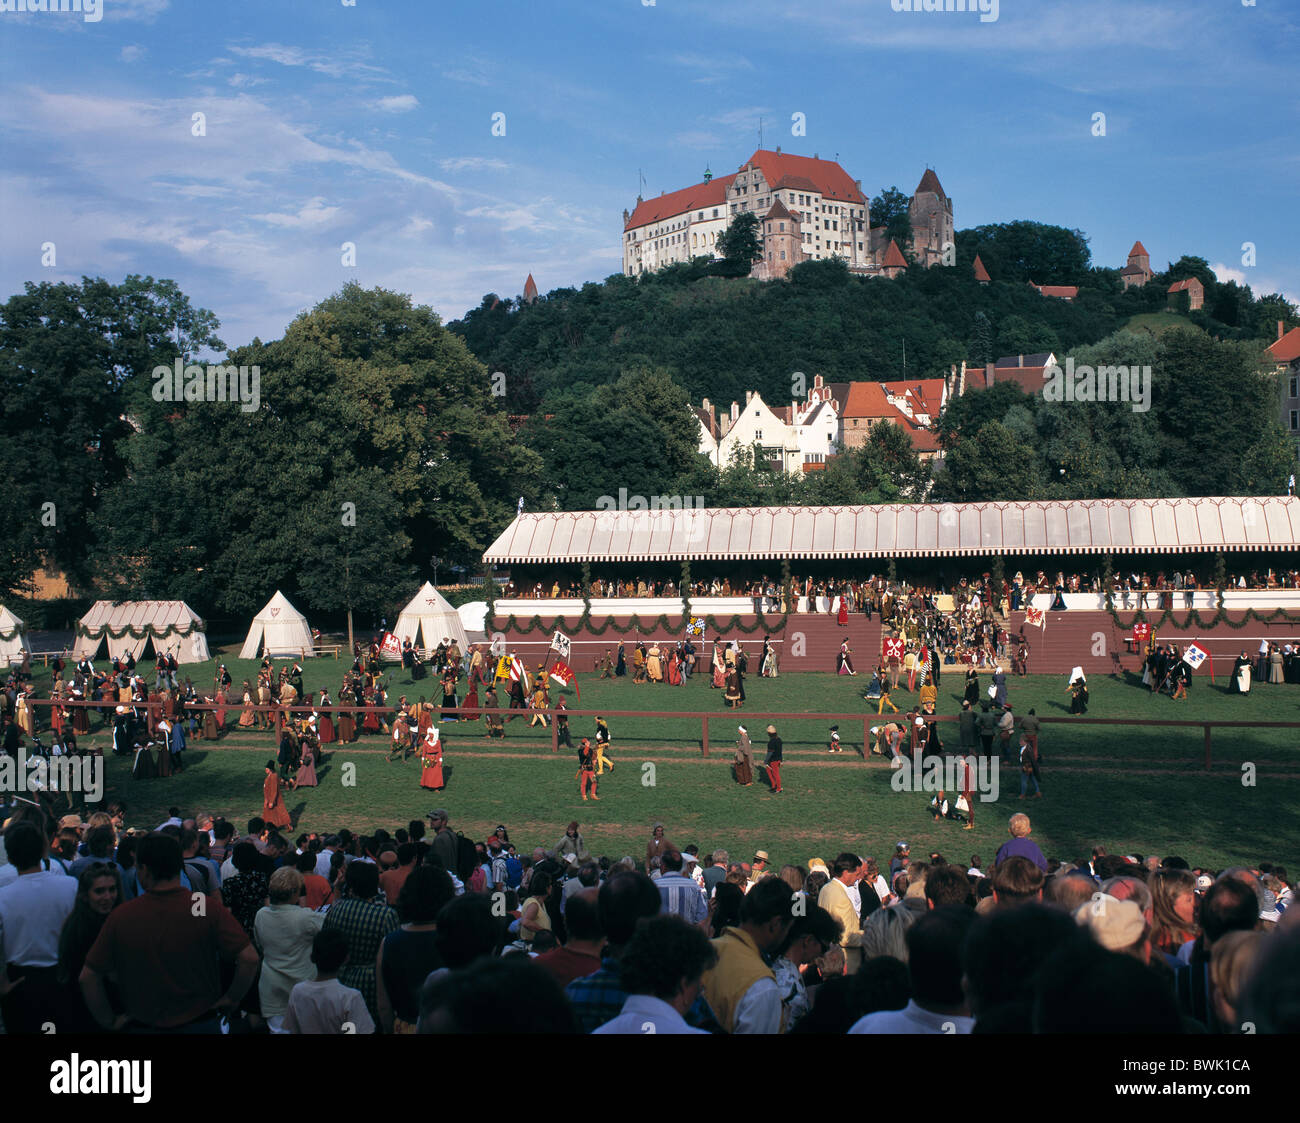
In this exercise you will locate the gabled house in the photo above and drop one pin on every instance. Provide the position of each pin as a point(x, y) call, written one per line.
point(1195, 294)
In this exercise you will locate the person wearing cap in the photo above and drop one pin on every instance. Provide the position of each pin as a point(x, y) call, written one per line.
point(587, 769)
point(444, 845)
point(744, 758)
point(900, 860)
point(772, 762)
point(758, 869)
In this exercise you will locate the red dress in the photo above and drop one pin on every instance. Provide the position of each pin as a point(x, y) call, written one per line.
point(431, 758)
point(273, 809)
point(843, 617)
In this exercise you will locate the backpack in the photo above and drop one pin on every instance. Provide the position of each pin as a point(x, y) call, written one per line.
point(200, 875)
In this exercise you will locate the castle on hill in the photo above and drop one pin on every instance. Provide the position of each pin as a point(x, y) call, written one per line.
point(808, 210)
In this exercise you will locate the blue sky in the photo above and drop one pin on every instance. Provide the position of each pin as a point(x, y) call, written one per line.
point(372, 124)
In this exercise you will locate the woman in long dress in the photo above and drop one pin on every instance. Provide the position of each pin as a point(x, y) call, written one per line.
point(273, 809)
point(306, 777)
point(80, 716)
point(842, 617)
point(210, 725)
point(731, 692)
point(371, 723)
point(470, 705)
point(654, 665)
point(449, 702)
point(247, 718)
point(620, 668)
point(347, 721)
point(164, 767)
point(222, 702)
point(972, 685)
point(1275, 665)
point(431, 759)
point(719, 668)
point(674, 669)
point(744, 759)
point(325, 723)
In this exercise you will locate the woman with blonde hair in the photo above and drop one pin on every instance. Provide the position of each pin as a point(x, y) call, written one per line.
point(284, 932)
point(1173, 910)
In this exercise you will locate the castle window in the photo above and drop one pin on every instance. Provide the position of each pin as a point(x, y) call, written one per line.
point(1295, 420)
point(781, 226)
point(1295, 382)
point(783, 255)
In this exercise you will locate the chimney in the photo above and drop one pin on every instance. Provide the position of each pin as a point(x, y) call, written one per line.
point(735, 413)
point(749, 396)
point(1280, 326)
point(704, 405)
point(988, 375)
point(778, 150)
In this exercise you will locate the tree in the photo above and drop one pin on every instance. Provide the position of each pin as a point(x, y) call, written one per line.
point(990, 466)
point(982, 342)
point(364, 385)
point(1029, 251)
point(739, 246)
point(70, 357)
point(892, 210)
point(357, 544)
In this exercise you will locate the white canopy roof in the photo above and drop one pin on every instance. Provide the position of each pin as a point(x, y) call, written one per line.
point(171, 625)
point(430, 613)
point(1087, 526)
point(282, 628)
point(11, 649)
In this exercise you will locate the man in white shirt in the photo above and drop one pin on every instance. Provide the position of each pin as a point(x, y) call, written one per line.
point(33, 908)
point(661, 971)
point(938, 1003)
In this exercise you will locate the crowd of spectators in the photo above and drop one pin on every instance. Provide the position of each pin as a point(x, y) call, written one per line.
point(193, 926)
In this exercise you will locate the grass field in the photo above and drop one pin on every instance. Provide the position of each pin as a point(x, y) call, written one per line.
point(1128, 787)
point(1157, 323)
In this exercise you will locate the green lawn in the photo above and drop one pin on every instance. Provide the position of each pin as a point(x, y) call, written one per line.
point(1157, 323)
point(1129, 787)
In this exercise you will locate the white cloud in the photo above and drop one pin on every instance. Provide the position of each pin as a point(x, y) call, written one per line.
point(146, 11)
point(133, 52)
point(469, 77)
point(335, 65)
point(1224, 273)
point(472, 164)
point(311, 213)
point(399, 103)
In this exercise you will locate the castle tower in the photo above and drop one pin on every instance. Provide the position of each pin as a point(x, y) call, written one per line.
point(932, 222)
point(782, 243)
point(1138, 269)
point(530, 290)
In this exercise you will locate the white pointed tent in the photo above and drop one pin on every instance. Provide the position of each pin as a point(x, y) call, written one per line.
point(13, 638)
point(430, 613)
point(171, 625)
point(281, 627)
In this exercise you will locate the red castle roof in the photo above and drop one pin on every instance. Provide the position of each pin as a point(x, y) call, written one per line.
point(894, 256)
point(981, 274)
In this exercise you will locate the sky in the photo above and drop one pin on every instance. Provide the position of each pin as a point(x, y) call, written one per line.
point(459, 147)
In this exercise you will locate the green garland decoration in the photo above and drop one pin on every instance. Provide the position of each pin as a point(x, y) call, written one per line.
point(140, 633)
point(18, 631)
point(1195, 619)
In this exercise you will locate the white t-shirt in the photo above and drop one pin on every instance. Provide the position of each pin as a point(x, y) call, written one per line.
point(327, 1007)
point(912, 1019)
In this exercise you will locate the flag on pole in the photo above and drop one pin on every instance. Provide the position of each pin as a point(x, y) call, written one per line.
point(923, 665)
point(518, 671)
point(1194, 656)
point(893, 648)
point(390, 648)
point(1141, 633)
point(1036, 617)
point(562, 673)
point(520, 509)
point(696, 626)
point(561, 645)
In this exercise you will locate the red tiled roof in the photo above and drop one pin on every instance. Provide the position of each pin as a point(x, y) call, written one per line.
point(795, 183)
point(930, 182)
point(779, 211)
point(826, 176)
point(1138, 248)
point(1287, 349)
point(1065, 292)
point(709, 420)
point(981, 274)
point(814, 466)
point(1029, 379)
point(1183, 286)
point(894, 256)
point(711, 193)
point(530, 287)
point(1133, 271)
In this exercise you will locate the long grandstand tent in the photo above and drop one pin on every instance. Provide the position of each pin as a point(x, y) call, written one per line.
point(1086, 526)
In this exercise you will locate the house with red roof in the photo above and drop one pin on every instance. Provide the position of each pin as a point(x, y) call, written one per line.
point(1195, 294)
point(1138, 269)
point(1061, 292)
